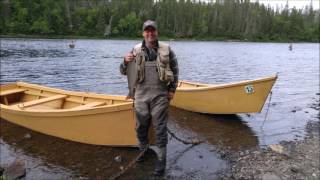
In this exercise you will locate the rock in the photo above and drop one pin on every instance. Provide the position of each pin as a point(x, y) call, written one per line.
point(276, 148)
point(294, 169)
point(294, 111)
point(118, 159)
point(270, 176)
point(15, 170)
point(27, 136)
point(318, 94)
point(121, 168)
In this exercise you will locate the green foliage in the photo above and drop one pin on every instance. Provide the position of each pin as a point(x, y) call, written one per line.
point(232, 19)
point(130, 25)
point(40, 26)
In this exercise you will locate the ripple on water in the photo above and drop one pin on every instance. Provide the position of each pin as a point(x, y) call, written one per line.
point(93, 65)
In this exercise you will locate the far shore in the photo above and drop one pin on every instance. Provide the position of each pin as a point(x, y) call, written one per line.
point(163, 38)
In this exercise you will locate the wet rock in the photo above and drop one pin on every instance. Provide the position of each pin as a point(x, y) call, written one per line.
point(15, 170)
point(118, 159)
point(270, 176)
point(294, 169)
point(223, 154)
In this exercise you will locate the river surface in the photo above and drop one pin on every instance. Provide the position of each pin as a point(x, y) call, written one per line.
point(93, 65)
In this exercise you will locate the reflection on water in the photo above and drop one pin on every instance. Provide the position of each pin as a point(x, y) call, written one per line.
point(218, 130)
point(93, 65)
point(53, 158)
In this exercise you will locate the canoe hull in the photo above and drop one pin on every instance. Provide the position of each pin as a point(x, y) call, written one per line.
point(77, 116)
point(111, 128)
point(225, 99)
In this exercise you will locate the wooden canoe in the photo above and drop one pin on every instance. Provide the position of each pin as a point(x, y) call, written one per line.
point(232, 98)
point(77, 116)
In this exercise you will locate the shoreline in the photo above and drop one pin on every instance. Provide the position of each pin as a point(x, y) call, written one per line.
point(284, 161)
point(163, 38)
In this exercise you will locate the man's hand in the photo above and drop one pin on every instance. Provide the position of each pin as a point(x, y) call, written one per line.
point(170, 95)
point(128, 58)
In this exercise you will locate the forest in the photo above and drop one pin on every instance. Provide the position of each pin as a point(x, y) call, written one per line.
point(177, 19)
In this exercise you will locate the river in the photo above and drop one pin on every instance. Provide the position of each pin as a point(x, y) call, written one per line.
point(93, 65)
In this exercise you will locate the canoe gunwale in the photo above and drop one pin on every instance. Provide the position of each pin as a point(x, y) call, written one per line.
point(220, 86)
point(72, 93)
point(69, 112)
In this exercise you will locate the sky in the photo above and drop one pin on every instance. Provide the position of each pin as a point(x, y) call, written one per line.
point(299, 4)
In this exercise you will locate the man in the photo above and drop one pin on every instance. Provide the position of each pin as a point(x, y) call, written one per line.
point(155, 68)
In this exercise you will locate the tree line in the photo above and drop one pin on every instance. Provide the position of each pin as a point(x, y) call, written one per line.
point(191, 19)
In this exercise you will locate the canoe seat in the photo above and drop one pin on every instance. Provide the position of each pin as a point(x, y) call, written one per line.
point(40, 101)
point(89, 105)
point(12, 91)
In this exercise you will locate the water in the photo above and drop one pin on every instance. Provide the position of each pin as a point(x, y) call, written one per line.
point(93, 65)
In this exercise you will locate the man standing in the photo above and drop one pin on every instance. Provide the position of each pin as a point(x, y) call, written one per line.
point(156, 77)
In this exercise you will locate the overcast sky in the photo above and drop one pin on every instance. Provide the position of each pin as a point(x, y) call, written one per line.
point(299, 4)
point(292, 3)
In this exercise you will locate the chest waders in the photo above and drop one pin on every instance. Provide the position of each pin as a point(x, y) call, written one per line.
point(151, 105)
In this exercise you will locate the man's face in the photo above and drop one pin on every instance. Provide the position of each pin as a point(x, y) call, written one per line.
point(150, 34)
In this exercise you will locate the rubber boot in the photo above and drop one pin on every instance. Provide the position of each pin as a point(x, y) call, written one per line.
point(142, 149)
point(160, 166)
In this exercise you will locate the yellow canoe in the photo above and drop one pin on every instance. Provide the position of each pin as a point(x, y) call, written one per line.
point(232, 98)
point(77, 116)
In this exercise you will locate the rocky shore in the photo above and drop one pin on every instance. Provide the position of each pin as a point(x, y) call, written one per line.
point(284, 161)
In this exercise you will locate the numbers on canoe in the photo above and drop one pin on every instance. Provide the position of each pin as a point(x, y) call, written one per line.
point(249, 89)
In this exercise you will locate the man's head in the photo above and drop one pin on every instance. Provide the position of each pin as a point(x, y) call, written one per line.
point(150, 32)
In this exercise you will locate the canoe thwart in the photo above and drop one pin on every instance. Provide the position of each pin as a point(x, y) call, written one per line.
point(40, 101)
point(12, 91)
